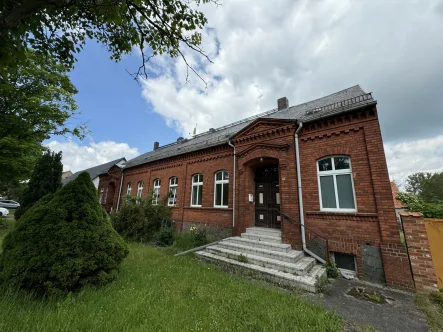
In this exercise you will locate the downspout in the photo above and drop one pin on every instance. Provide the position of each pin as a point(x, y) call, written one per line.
point(120, 191)
point(233, 189)
point(300, 196)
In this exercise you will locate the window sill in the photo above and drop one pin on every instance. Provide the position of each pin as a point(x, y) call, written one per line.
point(207, 208)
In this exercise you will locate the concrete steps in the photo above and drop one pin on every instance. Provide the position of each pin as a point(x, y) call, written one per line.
point(261, 237)
point(262, 251)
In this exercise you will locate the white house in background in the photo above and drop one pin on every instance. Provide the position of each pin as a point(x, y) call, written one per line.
point(95, 171)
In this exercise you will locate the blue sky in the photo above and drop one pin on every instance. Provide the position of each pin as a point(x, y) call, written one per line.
point(261, 51)
point(111, 101)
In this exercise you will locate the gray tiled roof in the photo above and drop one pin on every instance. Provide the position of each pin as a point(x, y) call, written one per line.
point(94, 171)
point(338, 102)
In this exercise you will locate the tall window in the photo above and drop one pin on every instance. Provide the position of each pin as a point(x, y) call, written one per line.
point(197, 190)
point(106, 195)
point(140, 189)
point(336, 184)
point(173, 183)
point(156, 194)
point(129, 189)
point(221, 191)
point(100, 197)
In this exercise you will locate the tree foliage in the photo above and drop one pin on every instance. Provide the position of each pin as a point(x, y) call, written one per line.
point(45, 179)
point(60, 28)
point(63, 243)
point(36, 101)
point(428, 186)
point(415, 204)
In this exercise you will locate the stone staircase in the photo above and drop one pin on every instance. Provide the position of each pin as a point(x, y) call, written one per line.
point(262, 251)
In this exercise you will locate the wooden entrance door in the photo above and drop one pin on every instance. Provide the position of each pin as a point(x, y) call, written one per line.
point(267, 197)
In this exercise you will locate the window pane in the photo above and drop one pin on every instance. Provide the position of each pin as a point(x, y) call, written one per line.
point(200, 192)
point(218, 176)
point(200, 177)
point(225, 175)
point(194, 195)
point(225, 194)
point(345, 192)
point(341, 163)
point(327, 192)
point(325, 165)
point(344, 261)
point(218, 189)
point(195, 178)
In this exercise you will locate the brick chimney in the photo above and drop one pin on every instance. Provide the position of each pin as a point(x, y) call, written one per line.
point(282, 103)
point(156, 145)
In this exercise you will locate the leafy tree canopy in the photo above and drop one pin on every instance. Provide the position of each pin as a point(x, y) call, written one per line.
point(61, 27)
point(427, 186)
point(36, 101)
point(45, 179)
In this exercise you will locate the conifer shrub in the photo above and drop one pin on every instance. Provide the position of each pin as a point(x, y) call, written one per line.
point(63, 243)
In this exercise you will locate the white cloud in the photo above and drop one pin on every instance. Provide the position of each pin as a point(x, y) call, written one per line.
point(424, 155)
point(77, 157)
point(263, 50)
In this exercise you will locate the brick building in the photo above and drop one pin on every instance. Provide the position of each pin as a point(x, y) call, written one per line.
point(251, 173)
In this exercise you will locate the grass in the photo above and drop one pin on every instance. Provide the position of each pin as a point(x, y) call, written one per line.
point(432, 309)
point(158, 292)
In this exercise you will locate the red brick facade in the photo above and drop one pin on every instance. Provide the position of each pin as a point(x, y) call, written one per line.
point(271, 141)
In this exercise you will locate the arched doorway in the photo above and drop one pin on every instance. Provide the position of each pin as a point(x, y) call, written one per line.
point(267, 196)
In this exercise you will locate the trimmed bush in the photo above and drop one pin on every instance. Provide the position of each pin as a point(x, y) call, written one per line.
point(165, 237)
point(192, 239)
point(63, 243)
point(138, 219)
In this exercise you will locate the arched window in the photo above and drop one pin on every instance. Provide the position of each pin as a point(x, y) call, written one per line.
point(140, 189)
point(173, 183)
point(336, 184)
point(221, 191)
point(197, 190)
point(156, 194)
point(100, 197)
point(129, 189)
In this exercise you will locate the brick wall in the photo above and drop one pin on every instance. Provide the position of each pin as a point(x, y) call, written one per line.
point(419, 251)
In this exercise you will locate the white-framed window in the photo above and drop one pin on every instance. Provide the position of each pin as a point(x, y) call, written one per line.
point(100, 197)
point(156, 193)
point(129, 189)
point(173, 183)
point(197, 190)
point(106, 195)
point(140, 189)
point(221, 189)
point(336, 185)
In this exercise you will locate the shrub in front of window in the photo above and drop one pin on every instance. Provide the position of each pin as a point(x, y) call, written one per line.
point(63, 243)
point(139, 219)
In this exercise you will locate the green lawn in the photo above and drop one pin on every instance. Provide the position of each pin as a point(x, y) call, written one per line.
point(158, 292)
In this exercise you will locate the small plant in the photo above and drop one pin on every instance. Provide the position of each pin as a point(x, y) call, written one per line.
point(437, 297)
point(321, 284)
point(242, 258)
point(374, 298)
point(332, 270)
